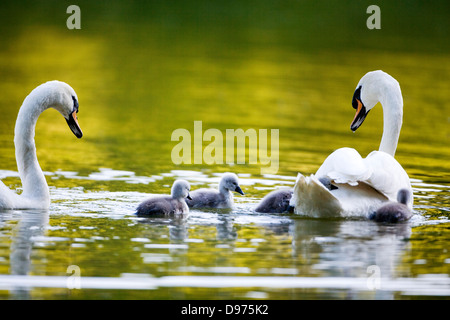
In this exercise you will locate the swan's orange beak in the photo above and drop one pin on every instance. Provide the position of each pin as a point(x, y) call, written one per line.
point(357, 110)
point(359, 116)
point(74, 125)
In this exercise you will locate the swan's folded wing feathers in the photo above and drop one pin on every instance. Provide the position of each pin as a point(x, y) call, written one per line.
point(379, 170)
point(345, 165)
point(388, 175)
point(312, 198)
point(362, 185)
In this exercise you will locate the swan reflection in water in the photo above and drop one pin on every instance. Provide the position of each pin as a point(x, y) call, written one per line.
point(32, 225)
point(350, 248)
point(316, 247)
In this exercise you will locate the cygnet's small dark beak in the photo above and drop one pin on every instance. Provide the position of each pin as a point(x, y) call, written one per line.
point(189, 197)
point(73, 124)
point(239, 190)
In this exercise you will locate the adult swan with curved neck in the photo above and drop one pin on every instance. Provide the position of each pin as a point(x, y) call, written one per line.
point(52, 94)
point(359, 186)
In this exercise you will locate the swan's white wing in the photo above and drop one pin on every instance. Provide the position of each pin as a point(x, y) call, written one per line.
point(311, 198)
point(363, 185)
point(379, 170)
point(358, 201)
point(345, 165)
point(388, 176)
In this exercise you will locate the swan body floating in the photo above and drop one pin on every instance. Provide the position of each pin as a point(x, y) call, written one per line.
point(211, 198)
point(393, 212)
point(173, 204)
point(52, 94)
point(276, 201)
point(359, 185)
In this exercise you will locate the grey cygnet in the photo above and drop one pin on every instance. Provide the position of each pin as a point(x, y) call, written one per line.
point(276, 201)
point(173, 204)
point(394, 211)
point(211, 198)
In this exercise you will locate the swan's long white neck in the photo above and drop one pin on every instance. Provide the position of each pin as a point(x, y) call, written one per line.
point(392, 103)
point(33, 180)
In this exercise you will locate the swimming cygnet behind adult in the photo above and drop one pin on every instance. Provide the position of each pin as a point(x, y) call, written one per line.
point(173, 204)
point(394, 211)
point(276, 201)
point(211, 198)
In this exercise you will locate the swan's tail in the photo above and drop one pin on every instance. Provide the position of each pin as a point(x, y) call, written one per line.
point(311, 198)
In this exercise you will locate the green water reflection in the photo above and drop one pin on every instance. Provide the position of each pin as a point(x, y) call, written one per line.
point(143, 69)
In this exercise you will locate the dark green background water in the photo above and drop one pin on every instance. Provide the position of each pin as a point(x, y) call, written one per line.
point(142, 69)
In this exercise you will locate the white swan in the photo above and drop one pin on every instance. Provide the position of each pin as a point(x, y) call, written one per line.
point(363, 185)
point(52, 94)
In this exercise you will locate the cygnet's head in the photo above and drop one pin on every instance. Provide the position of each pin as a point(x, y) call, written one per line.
point(370, 90)
point(60, 96)
point(327, 183)
point(180, 189)
point(403, 196)
point(230, 182)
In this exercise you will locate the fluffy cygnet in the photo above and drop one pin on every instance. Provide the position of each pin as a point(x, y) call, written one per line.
point(394, 211)
point(173, 204)
point(327, 183)
point(276, 201)
point(211, 198)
